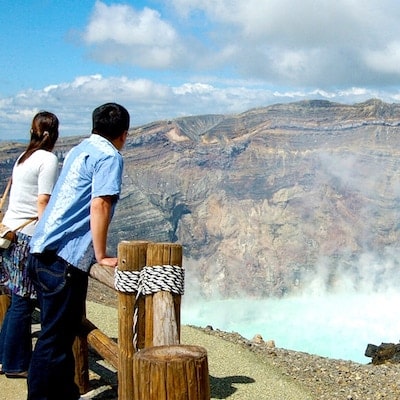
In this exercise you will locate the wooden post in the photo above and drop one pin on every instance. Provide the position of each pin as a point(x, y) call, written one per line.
point(163, 308)
point(81, 354)
point(158, 319)
point(171, 372)
point(131, 257)
point(4, 304)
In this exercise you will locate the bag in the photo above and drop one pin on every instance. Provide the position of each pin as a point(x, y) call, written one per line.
point(7, 236)
point(3, 198)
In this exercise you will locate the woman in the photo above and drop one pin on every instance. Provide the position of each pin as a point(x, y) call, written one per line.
point(33, 178)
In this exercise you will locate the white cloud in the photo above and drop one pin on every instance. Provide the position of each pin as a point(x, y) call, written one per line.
point(121, 34)
point(304, 23)
point(190, 88)
point(385, 60)
point(149, 101)
point(284, 42)
point(121, 24)
point(191, 57)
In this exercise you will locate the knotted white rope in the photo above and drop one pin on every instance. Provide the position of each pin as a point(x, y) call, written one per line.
point(168, 278)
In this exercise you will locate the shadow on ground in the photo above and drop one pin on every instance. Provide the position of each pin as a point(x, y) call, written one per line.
point(221, 388)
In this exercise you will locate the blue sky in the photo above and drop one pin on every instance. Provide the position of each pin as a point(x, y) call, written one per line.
point(167, 59)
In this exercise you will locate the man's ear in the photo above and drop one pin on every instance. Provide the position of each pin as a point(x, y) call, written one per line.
point(119, 142)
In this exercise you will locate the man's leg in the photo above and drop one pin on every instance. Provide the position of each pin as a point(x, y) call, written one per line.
point(61, 293)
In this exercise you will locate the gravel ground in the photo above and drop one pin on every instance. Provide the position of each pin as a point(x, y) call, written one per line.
point(325, 378)
point(242, 369)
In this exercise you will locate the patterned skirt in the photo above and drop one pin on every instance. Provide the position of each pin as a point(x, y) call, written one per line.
point(13, 270)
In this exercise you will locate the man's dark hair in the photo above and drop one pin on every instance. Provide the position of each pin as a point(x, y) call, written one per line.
point(110, 120)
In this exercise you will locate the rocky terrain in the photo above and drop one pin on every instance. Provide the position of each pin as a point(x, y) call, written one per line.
point(325, 378)
point(279, 193)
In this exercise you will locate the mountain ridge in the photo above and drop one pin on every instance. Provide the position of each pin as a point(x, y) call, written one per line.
point(279, 194)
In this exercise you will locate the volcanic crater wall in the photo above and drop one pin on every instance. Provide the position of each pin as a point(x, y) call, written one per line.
point(265, 200)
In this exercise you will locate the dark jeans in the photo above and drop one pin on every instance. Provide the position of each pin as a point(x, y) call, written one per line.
point(61, 290)
point(16, 335)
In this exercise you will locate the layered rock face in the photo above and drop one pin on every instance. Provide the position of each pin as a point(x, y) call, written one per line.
point(269, 201)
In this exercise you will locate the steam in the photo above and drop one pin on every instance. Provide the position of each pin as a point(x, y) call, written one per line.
point(334, 325)
point(333, 317)
point(333, 257)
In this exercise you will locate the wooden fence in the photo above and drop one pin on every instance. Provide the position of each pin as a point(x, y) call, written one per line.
point(151, 363)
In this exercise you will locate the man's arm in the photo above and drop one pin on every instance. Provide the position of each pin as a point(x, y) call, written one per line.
point(100, 215)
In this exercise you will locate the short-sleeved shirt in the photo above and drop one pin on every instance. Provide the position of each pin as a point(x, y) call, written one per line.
point(35, 176)
point(91, 169)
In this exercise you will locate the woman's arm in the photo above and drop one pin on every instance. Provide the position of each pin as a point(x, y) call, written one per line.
point(42, 201)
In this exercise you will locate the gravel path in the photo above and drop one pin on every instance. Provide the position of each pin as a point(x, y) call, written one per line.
point(235, 372)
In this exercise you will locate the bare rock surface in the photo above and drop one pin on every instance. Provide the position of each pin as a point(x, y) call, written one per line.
point(275, 193)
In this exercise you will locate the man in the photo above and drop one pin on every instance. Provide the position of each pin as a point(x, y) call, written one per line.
point(71, 234)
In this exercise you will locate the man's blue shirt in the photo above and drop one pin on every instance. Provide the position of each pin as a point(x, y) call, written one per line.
point(91, 169)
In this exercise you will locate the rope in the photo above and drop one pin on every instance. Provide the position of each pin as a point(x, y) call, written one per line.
point(168, 278)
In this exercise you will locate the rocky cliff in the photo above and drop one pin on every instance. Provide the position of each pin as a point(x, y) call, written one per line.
point(265, 201)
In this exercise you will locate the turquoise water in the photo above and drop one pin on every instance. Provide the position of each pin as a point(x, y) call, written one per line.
point(331, 325)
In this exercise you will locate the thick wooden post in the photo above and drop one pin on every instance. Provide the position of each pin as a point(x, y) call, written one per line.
point(171, 373)
point(81, 354)
point(143, 322)
point(131, 257)
point(4, 304)
point(163, 308)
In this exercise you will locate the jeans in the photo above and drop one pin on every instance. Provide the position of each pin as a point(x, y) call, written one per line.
point(61, 290)
point(16, 335)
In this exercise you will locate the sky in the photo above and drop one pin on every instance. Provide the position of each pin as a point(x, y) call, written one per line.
point(168, 59)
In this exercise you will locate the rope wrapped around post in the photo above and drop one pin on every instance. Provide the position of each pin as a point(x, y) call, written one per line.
point(149, 280)
point(168, 278)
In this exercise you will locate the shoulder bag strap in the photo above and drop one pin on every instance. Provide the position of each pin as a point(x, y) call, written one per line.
point(5, 194)
point(25, 224)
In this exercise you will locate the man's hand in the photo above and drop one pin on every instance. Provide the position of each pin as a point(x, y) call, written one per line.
point(109, 261)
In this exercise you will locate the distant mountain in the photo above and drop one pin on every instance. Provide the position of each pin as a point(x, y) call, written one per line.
point(267, 200)
point(16, 141)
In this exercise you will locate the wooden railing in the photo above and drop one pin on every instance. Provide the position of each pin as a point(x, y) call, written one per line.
point(149, 284)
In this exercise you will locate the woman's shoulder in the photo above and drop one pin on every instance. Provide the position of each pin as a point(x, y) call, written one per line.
point(44, 155)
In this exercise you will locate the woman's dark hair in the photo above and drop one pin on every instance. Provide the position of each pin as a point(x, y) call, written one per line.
point(110, 120)
point(44, 134)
